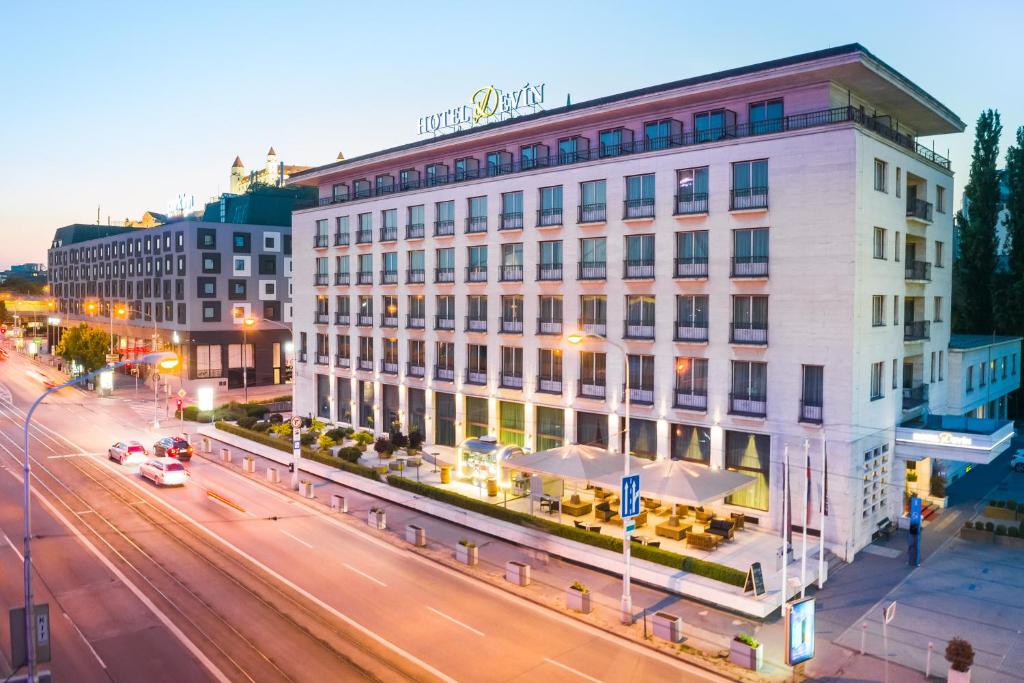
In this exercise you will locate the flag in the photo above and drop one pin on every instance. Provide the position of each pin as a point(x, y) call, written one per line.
point(824, 476)
point(808, 501)
point(789, 506)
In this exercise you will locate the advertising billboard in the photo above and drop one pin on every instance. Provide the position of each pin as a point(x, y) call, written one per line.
point(800, 631)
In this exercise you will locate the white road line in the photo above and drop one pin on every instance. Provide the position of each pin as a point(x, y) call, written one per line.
point(572, 670)
point(295, 538)
point(13, 547)
point(455, 621)
point(85, 640)
point(365, 575)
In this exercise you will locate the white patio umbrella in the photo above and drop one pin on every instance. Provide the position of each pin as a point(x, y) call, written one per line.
point(681, 481)
point(572, 461)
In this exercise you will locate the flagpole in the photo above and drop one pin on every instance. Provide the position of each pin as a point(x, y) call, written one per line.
point(823, 504)
point(807, 516)
point(785, 522)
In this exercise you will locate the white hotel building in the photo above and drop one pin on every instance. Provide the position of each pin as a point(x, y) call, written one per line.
point(769, 245)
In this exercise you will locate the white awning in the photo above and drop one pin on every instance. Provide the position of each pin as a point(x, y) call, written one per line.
point(572, 461)
point(681, 481)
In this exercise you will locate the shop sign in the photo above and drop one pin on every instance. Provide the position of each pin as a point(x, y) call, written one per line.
point(941, 439)
point(485, 104)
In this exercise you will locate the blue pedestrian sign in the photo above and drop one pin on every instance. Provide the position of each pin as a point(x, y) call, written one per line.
point(630, 498)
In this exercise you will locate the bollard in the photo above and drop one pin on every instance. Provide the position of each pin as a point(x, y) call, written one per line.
point(249, 464)
point(207, 445)
point(415, 535)
point(306, 488)
point(377, 518)
point(518, 573)
point(225, 455)
point(928, 661)
point(273, 475)
point(863, 636)
point(339, 503)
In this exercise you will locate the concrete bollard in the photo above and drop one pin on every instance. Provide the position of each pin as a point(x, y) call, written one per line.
point(377, 518)
point(339, 503)
point(273, 475)
point(249, 464)
point(518, 573)
point(225, 454)
point(207, 445)
point(415, 535)
point(306, 489)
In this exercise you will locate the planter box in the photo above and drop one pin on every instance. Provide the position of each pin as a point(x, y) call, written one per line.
point(667, 627)
point(273, 475)
point(517, 573)
point(249, 464)
point(748, 657)
point(1000, 513)
point(976, 535)
point(466, 554)
point(1010, 542)
point(339, 503)
point(415, 535)
point(306, 489)
point(578, 600)
point(225, 454)
point(377, 519)
point(959, 676)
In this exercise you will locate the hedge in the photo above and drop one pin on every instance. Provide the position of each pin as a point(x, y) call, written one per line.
point(307, 453)
point(711, 570)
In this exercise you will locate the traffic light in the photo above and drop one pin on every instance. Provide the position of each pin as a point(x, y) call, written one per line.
point(177, 403)
point(3, 331)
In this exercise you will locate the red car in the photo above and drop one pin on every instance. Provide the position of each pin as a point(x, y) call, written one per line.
point(172, 447)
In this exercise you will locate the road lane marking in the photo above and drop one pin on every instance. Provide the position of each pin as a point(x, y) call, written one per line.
point(365, 575)
point(296, 538)
point(455, 621)
point(85, 640)
point(13, 547)
point(217, 498)
point(572, 670)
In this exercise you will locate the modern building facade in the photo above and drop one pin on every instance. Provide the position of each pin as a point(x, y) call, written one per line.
point(187, 286)
point(767, 249)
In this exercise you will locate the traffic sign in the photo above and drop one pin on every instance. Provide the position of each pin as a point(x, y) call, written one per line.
point(112, 358)
point(296, 422)
point(182, 393)
point(630, 526)
point(630, 498)
point(889, 612)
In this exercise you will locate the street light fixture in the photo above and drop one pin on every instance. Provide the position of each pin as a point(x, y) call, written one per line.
point(627, 599)
point(247, 322)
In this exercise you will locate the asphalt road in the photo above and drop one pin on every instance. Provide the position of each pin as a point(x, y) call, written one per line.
point(269, 589)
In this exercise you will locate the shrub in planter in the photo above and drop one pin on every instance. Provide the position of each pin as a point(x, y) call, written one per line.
point(349, 454)
point(326, 443)
point(989, 526)
point(307, 438)
point(255, 409)
point(261, 426)
point(980, 526)
point(1001, 530)
point(960, 655)
point(1013, 532)
point(276, 418)
point(466, 552)
point(384, 447)
point(745, 651)
point(247, 422)
point(416, 441)
point(362, 439)
point(577, 597)
point(339, 434)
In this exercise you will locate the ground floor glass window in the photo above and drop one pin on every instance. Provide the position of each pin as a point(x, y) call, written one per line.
point(592, 429)
point(550, 428)
point(750, 454)
point(511, 423)
point(444, 418)
point(477, 416)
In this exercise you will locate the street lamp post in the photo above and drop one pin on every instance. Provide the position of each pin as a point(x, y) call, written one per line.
point(296, 449)
point(627, 598)
point(161, 360)
point(246, 324)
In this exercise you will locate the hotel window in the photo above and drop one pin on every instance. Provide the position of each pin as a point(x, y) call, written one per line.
point(241, 242)
point(662, 134)
point(236, 289)
point(550, 210)
point(366, 349)
point(750, 252)
point(639, 316)
point(641, 378)
point(477, 307)
point(1002, 364)
point(211, 263)
point(689, 442)
point(477, 219)
point(896, 309)
point(592, 429)
point(749, 184)
point(550, 428)
point(931, 376)
point(417, 353)
point(940, 199)
point(881, 171)
point(593, 206)
point(614, 142)
point(532, 156)
point(749, 319)
point(593, 255)
point(478, 260)
point(445, 211)
point(467, 167)
point(339, 191)
point(208, 361)
point(444, 424)
point(343, 306)
point(750, 384)
point(750, 454)
point(982, 375)
point(692, 190)
point(549, 373)
point(551, 260)
point(207, 287)
point(408, 178)
point(691, 379)
point(571, 150)
point(511, 211)
point(593, 312)
point(366, 401)
point(499, 162)
point(361, 188)
point(812, 393)
point(938, 309)
point(765, 117)
point(476, 364)
point(436, 174)
point(445, 356)
point(211, 311)
point(592, 368)
point(713, 125)
point(877, 371)
point(896, 246)
point(640, 189)
point(512, 313)
point(970, 378)
point(389, 224)
point(879, 243)
point(511, 423)
point(366, 310)
point(899, 182)
point(938, 254)
point(512, 367)
point(691, 317)
point(877, 310)
point(895, 366)
point(415, 215)
point(643, 437)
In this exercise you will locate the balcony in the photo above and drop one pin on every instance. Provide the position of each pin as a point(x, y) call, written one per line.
point(302, 356)
point(511, 381)
point(321, 359)
point(510, 274)
point(549, 385)
point(342, 362)
point(591, 388)
point(387, 320)
point(320, 318)
point(444, 275)
point(342, 278)
point(364, 236)
point(917, 330)
point(415, 370)
point(915, 396)
point(918, 271)
point(687, 400)
point(341, 239)
point(640, 269)
point(748, 198)
point(749, 266)
point(510, 221)
point(415, 276)
point(364, 278)
point(641, 395)
point(689, 333)
point(321, 279)
point(444, 324)
point(443, 374)
point(415, 322)
point(389, 277)
point(692, 267)
point(811, 412)
point(919, 210)
point(444, 228)
point(549, 218)
point(477, 273)
point(592, 270)
point(476, 224)
point(748, 333)
point(364, 320)
point(414, 231)
point(638, 329)
point(591, 213)
point(748, 404)
point(342, 319)
point(476, 377)
point(476, 324)
point(588, 326)
point(364, 364)
point(691, 204)
point(510, 326)
point(389, 233)
point(549, 326)
point(638, 209)
point(549, 272)
point(389, 367)
point(320, 241)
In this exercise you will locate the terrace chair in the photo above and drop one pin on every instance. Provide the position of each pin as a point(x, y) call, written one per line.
point(653, 544)
point(737, 519)
point(578, 524)
point(702, 541)
point(720, 527)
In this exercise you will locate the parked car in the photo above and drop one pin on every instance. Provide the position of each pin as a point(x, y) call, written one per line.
point(1017, 461)
point(172, 447)
point(127, 452)
point(164, 472)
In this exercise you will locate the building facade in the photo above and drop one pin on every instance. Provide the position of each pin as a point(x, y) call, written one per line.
point(767, 250)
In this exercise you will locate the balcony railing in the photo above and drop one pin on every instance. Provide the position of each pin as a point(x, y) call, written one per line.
point(444, 275)
point(642, 395)
point(749, 266)
point(511, 381)
point(389, 233)
point(444, 228)
point(321, 279)
point(342, 361)
point(748, 333)
point(749, 404)
point(389, 277)
point(919, 209)
point(415, 322)
point(638, 329)
point(322, 359)
point(510, 326)
point(415, 276)
point(444, 374)
point(592, 213)
point(511, 221)
point(638, 269)
point(686, 332)
point(593, 327)
point(415, 369)
point(811, 411)
point(592, 270)
point(364, 278)
point(824, 117)
point(442, 323)
point(917, 330)
point(918, 270)
point(364, 364)
point(511, 274)
point(741, 199)
point(476, 324)
point(477, 273)
point(915, 396)
point(549, 272)
point(342, 319)
point(549, 326)
point(364, 320)
point(477, 377)
point(634, 209)
point(549, 217)
point(320, 241)
point(320, 318)
point(687, 400)
point(476, 224)
point(414, 231)
point(389, 367)
point(691, 203)
point(387, 320)
point(302, 356)
point(342, 278)
point(591, 388)
point(691, 267)
point(364, 236)
point(549, 385)
point(341, 239)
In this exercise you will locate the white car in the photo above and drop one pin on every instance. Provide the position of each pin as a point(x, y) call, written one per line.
point(164, 472)
point(1017, 461)
point(127, 452)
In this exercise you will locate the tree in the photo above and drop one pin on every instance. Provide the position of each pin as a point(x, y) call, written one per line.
point(973, 272)
point(20, 285)
point(3, 312)
point(1010, 288)
point(85, 346)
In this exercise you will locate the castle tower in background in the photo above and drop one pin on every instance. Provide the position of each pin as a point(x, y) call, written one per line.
point(273, 173)
point(237, 176)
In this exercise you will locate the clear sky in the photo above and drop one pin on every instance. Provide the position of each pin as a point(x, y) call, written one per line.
point(126, 105)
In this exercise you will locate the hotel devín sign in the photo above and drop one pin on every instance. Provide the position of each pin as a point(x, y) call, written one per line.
point(487, 104)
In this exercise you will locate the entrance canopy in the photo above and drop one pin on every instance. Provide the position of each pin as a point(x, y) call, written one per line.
point(951, 437)
point(572, 461)
point(681, 481)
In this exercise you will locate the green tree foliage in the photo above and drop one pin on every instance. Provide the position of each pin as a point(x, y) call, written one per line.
point(84, 345)
point(1010, 285)
point(3, 312)
point(20, 285)
point(973, 280)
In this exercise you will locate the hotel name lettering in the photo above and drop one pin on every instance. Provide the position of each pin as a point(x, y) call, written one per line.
point(486, 104)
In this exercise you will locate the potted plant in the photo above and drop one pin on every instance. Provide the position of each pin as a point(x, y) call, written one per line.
point(577, 597)
point(747, 652)
point(960, 656)
point(377, 518)
point(466, 552)
point(415, 441)
point(383, 447)
point(976, 532)
point(362, 440)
